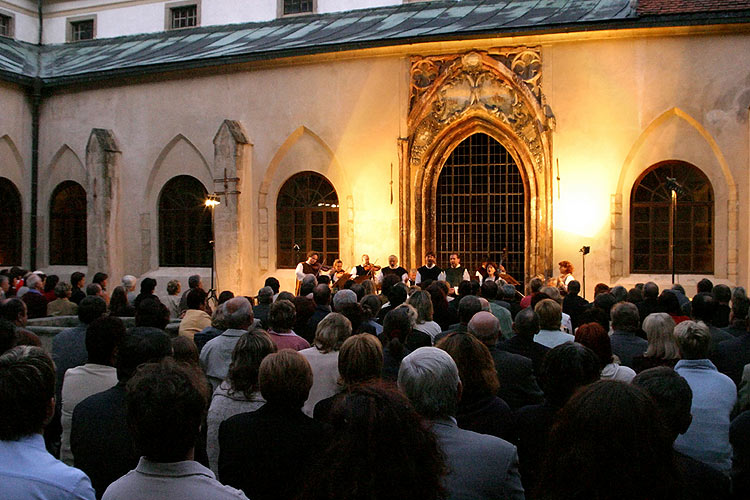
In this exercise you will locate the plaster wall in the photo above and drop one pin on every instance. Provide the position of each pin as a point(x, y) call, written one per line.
point(25, 19)
point(15, 149)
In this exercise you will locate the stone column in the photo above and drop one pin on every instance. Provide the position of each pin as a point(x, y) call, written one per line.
point(232, 218)
point(102, 202)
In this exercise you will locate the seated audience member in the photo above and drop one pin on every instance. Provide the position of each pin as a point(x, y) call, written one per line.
point(550, 316)
point(61, 305)
point(14, 311)
point(441, 313)
point(573, 304)
point(281, 319)
point(468, 306)
point(525, 326)
point(593, 336)
point(662, 348)
point(397, 295)
point(216, 355)
point(739, 437)
point(343, 297)
point(148, 285)
point(128, 283)
point(265, 299)
point(98, 374)
point(152, 313)
point(100, 438)
point(722, 294)
point(77, 281)
point(565, 369)
point(356, 316)
point(703, 308)
point(502, 313)
point(669, 303)
point(268, 453)
point(554, 294)
point(738, 315)
point(378, 419)
point(360, 361)
point(620, 293)
point(515, 373)
point(399, 339)
point(625, 323)
point(479, 466)
point(119, 304)
point(165, 407)
point(732, 356)
point(211, 332)
point(101, 280)
point(635, 296)
point(479, 409)
point(184, 351)
point(323, 357)
point(196, 318)
point(607, 444)
point(239, 393)
point(421, 301)
point(714, 396)
point(36, 304)
point(599, 310)
point(535, 285)
point(673, 399)
point(304, 308)
point(225, 296)
point(194, 282)
point(371, 305)
point(27, 403)
point(275, 286)
point(94, 290)
point(650, 304)
point(172, 301)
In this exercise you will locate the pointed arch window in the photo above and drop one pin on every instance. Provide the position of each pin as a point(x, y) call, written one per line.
point(185, 226)
point(307, 216)
point(11, 228)
point(67, 239)
point(652, 220)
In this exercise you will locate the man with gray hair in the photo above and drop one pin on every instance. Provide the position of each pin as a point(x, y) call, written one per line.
point(194, 282)
point(35, 302)
point(518, 386)
point(216, 355)
point(480, 466)
point(625, 323)
point(342, 297)
point(128, 283)
point(4, 286)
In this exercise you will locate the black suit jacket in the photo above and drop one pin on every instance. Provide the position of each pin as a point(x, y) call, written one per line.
point(268, 452)
point(732, 355)
point(518, 386)
point(527, 348)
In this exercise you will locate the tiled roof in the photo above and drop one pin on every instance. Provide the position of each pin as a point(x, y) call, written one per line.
point(661, 7)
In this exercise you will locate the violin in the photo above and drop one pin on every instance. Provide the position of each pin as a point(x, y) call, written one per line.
point(319, 267)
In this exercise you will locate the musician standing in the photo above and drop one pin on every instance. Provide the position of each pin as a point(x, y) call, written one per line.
point(456, 273)
point(308, 266)
point(393, 268)
point(429, 271)
point(338, 270)
point(363, 268)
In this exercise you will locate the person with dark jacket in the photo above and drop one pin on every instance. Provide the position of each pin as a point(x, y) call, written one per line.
point(573, 304)
point(525, 327)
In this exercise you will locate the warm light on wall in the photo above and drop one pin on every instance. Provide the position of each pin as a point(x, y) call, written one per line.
point(583, 206)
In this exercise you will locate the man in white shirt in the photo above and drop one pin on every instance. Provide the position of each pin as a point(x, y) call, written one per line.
point(393, 268)
point(550, 317)
point(429, 271)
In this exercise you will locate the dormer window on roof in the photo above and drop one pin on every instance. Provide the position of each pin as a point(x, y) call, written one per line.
point(183, 16)
point(6, 25)
point(297, 6)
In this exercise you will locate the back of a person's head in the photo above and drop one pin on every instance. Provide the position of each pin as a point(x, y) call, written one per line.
point(703, 307)
point(33, 281)
point(343, 297)
point(574, 288)
point(605, 302)
point(509, 292)
point(173, 286)
point(635, 295)
point(397, 294)
point(140, 345)
point(672, 395)
point(371, 305)
point(740, 306)
point(429, 378)
point(468, 306)
point(526, 323)
point(93, 289)
point(62, 289)
point(238, 313)
point(693, 339)
point(464, 288)
point(333, 330)
point(359, 290)
point(12, 309)
point(185, 351)
point(309, 282)
point(659, 328)
point(322, 295)
point(273, 283)
point(388, 282)
point(722, 294)
point(289, 296)
point(91, 308)
point(360, 359)
point(282, 315)
point(705, 286)
point(380, 442)
point(565, 368)
point(678, 288)
point(552, 292)
point(265, 295)
point(225, 296)
point(535, 284)
point(485, 326)
point(397, 325)
point(489, 290)
point(600, 288)
point(166, 402)
point(475, 365)
point(625, 317)
point(148, 285)
point(285, 378)
point(152, 313)
point(619, 292)
point(196, 298)
point(593, 336)
point(607, 435)
point(550, 314)
point(99, 278)
point(27, 389)
point(103, 335)
point(247, 355)
point(7, 335)
point(650, 290)
point(354, 313)
point(194, 280)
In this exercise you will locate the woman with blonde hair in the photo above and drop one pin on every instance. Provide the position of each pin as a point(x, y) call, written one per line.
point(422, 302)
point(662, 347)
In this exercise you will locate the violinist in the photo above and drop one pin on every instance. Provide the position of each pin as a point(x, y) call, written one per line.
point(393, 268)
point(308, 267)
point(338, 270)
point(365, 268)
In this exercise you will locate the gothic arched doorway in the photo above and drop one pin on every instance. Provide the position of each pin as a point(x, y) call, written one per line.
point(480, 206)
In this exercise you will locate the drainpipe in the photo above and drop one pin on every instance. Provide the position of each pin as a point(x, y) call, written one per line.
point(36, 100)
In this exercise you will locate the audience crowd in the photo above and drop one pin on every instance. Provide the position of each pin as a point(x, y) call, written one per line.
point(373, 391)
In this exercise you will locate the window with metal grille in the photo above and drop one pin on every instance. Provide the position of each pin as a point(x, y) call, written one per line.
point(651, 221)
point(185, 16)
point(297, 6)
point(307, 219)
point(185, 226)
point(11, 228)
point(6, 25)
point(82, 30)
point(67, 225)
point(481, 207)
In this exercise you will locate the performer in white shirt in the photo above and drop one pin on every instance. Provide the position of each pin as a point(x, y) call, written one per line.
point(392, 268)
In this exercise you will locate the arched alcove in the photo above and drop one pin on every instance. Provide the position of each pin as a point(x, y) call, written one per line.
point(11, 230)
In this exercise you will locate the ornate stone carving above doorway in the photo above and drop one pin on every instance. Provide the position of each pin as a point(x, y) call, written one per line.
point(499, 93)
